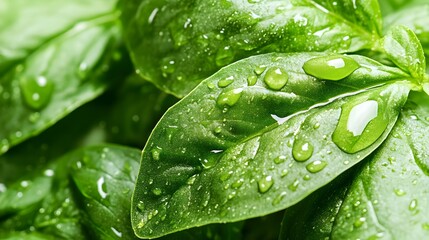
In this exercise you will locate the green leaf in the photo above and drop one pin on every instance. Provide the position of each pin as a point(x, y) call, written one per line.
point(43, 203)
point(47, 72)
point(404, 49)
point(176, 44)
point(312, 218)
point(390, 198)
point(209, 160)
point(104, 177)
point(22, 235)
point(414, 16)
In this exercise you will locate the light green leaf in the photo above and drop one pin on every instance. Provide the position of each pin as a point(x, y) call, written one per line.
point(414, 16)
point(223, 152)
point(404, 49)
point(390, 199)
point(47, 72)
point(176, 44)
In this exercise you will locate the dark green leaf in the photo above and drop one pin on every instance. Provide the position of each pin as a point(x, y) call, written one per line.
point(46, 72)
point(312, 218)
point(404, 49)
point(105, 177)
point(223, 152)
point(176, 44)
point(390, 197)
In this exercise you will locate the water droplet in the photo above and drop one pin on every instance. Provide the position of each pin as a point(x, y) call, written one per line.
point(36, 91)
point(331, 67)
point(359, 126)
point(49, 172)
point(251, 80)
point(279, 159)
point(294, 186)
point(399, 192)
point(238, 183)
point(425, 226)
point(316, 166)
point(265, 184)
point(253, 1)
point(230, 97)
point(358, 223)
point(302, 150)
point(284, 172)
point(226, 175)
point(210, 85)
point(140, 206)
point(413, 205)
point(156, 153)
point(208, 162)
point(225, 82)
point(34, 117)
point(224, 56)
point(100, 184)
point(260, 69)
point(157, 191)
point(168, 67)
point(4, 146)
point(276, 78)
point(279, 198)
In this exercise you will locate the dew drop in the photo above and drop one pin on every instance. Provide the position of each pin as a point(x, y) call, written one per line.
point(238, 183)
point(168, 67)
point(230, 97)
point(265, 184)
point(34, 117)
point(4, 145)
point(276, 78)
point(399, 192)
point(413, 205)
point(140, 206)
point(302, 150)
point(284, 172)
point(294, 186)
point(333, 68)
point(157, 191)
point(225, 82)
point(260, 69)
point(36, 91)
point(208, 162)
point(316, 166)
point(358, 223)
point(156, 153)
point(279, 198)
point(251, 80)
point(279, 159)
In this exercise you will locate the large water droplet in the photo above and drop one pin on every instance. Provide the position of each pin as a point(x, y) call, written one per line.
point(316, 166)
point(330, 67)
point(36, 91)
point(230, 97)
point(265, 184)
point(302, 150)
point(276, 78)
point(360, 125)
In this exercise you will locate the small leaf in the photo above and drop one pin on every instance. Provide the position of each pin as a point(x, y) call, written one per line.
point(403, 47)
point(176, 44)
point(390, 198)
point(218, 163)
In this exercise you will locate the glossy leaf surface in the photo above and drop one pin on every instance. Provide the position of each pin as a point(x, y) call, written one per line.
point(176, 44)
point(46, 72)
point(222, 163)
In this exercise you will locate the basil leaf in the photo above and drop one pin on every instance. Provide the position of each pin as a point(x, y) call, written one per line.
point(389, 198)
point(211, 152)
point(176, 44)
point(43, 204)
point(104, 177)
point(403, 47)
point(312, 218)
point(46, 72)
point(416, 17)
